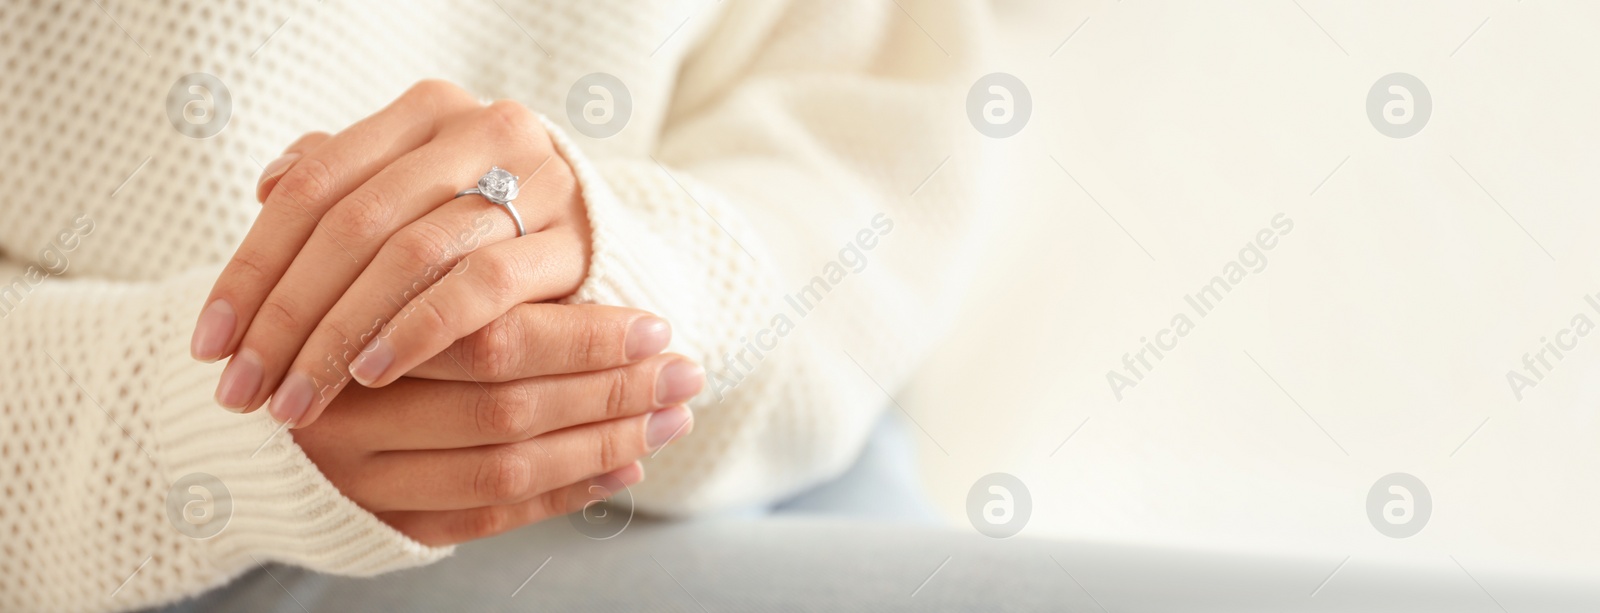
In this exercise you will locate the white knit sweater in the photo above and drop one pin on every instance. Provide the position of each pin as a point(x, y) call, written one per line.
point(769, 143)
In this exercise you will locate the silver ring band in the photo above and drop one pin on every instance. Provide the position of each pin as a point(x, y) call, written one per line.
point(504, 205)
point(499, 187)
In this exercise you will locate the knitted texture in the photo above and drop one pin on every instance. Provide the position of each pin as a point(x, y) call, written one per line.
point(793, 189)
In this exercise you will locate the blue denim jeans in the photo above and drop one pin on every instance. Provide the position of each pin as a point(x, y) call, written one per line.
point(881, 486)
point(862, 543)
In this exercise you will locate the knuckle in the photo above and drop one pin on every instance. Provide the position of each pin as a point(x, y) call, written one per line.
point(276, 315)
point(421, 247)
point(249, 269)
point(346, 342)
point(433, 89)
point(435, 322)
point(508, 118)
point(499, 277)
point(557, 503)
point(307, 141)
point(309, 182)
point(571, 499)
point(362, 217)
point(490, 351)
point(435, 100)
point(586, 349)
point(618, 395)
point(485, 521)
point(503, 477)
point(608, 450)
point(505, 413)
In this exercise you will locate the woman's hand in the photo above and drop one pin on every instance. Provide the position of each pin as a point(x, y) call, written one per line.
point(363, 253)
point(449, 461)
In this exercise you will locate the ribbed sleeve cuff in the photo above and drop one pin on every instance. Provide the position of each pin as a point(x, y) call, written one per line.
point(282, 508)
point(630, 264)
point(663, 242)
point(609, 278)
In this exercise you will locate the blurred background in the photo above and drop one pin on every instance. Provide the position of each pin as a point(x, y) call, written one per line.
point(1263, 274)
point(1378, 337)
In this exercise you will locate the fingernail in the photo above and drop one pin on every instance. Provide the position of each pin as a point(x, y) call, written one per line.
point(292, 399)
point(665, 425)
point(213, 331)
point(375, 359)
point(647, 337)
point(240, 380)
point(273, 170)
point(678, 382)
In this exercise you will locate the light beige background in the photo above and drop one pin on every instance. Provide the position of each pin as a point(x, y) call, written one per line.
point(1391, 313)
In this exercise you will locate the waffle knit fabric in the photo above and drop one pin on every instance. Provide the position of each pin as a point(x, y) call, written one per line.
point(794, 189)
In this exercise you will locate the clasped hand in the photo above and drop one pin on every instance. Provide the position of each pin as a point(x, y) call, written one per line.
point(481, 405)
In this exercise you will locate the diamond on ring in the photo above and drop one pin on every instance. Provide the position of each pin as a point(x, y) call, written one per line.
point(498, 186)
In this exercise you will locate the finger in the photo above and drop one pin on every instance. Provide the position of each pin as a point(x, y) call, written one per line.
point(323, 309)
point(297, 204)
point(450, 415)
point(439, 528)
point(347, 309)
point(274, 170)
point(297, 320)
point(314, 381)
point(484, 286)
point(535, 340)
point(449, 479)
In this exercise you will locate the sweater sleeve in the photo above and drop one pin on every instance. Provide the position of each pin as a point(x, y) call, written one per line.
point(126, 486)
point(802, 219)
